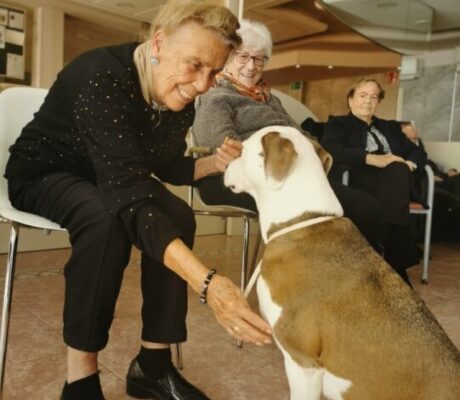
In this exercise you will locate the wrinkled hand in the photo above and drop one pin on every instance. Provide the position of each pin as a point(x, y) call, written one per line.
point(382, 160)
point(234, 314)
point(412, 166)
point(227, 152)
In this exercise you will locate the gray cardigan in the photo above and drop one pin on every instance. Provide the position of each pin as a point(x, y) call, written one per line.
point(223, 111)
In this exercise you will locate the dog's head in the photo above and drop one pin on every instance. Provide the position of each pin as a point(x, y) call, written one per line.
point(269, 156)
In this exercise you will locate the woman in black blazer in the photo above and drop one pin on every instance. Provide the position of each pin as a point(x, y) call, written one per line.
point(381, 161)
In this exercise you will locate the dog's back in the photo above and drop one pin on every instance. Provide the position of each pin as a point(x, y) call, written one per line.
point(345, 310)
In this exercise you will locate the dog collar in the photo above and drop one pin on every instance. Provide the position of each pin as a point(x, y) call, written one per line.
point(299, 225)
point(280, 232)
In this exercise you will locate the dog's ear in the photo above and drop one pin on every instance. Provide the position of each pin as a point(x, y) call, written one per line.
point(324, 156)
point(279, 155)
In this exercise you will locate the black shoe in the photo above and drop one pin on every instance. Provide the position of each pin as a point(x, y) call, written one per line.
point(171, 387)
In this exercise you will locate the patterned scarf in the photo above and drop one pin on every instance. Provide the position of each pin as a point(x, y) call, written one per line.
point(260, 91)
point(376, 143)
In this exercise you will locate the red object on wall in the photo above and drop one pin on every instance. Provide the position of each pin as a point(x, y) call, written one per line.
point(392, 77)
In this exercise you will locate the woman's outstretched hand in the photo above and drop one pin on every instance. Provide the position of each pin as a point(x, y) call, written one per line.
point(217, 162)
point(234, 314)
point(225, 299)
point(227, 152)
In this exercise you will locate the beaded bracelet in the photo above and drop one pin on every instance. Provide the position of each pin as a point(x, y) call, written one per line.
point(204, 286)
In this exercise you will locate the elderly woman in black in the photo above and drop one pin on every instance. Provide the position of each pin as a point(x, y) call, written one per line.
point(381, 161)
point(240, 104)
point(94, 159)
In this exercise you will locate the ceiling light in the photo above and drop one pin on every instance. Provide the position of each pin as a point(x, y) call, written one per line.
point(386, 5)
point(318, 5)
point(330, 66)
point(124, 4)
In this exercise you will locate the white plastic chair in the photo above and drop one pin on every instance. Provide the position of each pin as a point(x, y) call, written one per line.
point(298, 111)
point(418, 209)
point(17, 106)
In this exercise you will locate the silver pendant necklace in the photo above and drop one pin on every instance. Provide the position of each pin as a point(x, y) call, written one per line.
point(156, 116)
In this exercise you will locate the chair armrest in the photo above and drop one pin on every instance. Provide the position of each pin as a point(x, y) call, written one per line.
point(430, 190)
point(345, 177)
point(200, 150)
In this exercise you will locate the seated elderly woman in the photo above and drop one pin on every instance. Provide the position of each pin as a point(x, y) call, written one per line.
point(239, 105)
point(445, 179)
point(381, 161)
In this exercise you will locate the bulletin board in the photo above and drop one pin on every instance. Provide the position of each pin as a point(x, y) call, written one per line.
point(12, 41)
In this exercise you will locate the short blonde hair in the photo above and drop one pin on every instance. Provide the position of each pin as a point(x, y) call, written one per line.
point(218, 18)
point(362, 82)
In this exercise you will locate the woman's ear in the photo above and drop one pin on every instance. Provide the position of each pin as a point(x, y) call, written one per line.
point(157, 42)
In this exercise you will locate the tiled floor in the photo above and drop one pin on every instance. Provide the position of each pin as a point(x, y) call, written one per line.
point(36, 360)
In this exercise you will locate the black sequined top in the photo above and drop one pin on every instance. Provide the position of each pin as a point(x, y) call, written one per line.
point(94, 122)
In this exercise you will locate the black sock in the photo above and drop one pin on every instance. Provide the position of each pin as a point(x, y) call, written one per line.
point(88, 388)
point(403, 274)
point(154, 362)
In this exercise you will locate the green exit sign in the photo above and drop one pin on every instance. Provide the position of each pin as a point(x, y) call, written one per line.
point(295, 85)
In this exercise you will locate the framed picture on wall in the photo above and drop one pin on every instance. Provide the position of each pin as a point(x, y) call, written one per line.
point(2, 37)
point(12, 42)
point(3, 16)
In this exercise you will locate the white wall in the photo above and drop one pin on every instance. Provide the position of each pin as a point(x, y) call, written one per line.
point(433, 103)
point(447, 154)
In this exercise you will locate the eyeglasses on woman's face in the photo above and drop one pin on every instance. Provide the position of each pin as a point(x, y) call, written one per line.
point(243, 57)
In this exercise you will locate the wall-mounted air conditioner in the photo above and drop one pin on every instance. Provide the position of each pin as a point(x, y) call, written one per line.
point(410, 68)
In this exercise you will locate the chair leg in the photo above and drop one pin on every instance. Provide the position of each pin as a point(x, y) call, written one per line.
point(427, 246)
point(179, 361)
point(7, 296)
point(244, 263)
point(245, 256)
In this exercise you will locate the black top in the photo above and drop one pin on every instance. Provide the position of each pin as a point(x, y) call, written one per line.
point(94, 122)
point(345, 137)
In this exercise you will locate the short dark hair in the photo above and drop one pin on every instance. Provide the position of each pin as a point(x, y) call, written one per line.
point(362, 82)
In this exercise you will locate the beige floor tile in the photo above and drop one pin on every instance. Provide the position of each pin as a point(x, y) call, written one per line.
point(30, 339)
point(265, 383)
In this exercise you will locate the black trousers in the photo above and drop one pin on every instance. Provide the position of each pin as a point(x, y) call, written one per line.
point(362, 208)
point(100, 252)
point(392, 187)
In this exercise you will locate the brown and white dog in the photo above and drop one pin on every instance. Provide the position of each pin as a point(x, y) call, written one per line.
point(348, 326)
